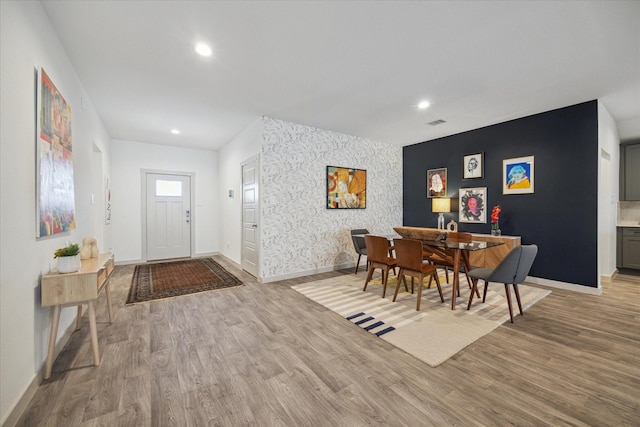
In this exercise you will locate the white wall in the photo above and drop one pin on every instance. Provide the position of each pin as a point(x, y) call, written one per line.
point(299, 234)
point(128, 159)
point(27, 41)
point(244, 146)
point(608, 190)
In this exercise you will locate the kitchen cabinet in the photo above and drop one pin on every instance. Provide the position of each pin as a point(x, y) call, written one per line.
point(628, 247)
point(630, 172)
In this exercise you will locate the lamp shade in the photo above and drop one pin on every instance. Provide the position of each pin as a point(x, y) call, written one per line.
point(441, 205)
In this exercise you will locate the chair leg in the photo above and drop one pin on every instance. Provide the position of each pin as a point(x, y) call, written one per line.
point(474, 289)
point(385, 277)
point(468, 280)
point(400, 277)
point(419, 293)
point(405, 283)
point(506, 289)
point(446, 273)
point(515, 288)
point(484, 293)
point(435, 274)
point(369, 276)
point(358, 263)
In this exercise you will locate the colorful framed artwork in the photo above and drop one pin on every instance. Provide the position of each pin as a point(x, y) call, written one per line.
point(518, 175)
point(472, 166)
point(346, 188)
point(55, 196)
point(437, 182)
point(473, 202)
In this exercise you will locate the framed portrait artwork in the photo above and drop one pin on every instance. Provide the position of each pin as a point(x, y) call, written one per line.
point(473, 202)
point(437, 182)
point(472, 166)
point(518, 175)
point(346, 188)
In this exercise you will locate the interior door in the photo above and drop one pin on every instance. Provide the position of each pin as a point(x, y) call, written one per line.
point(250, 208)
point(168, 227)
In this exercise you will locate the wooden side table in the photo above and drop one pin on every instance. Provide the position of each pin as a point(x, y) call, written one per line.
point(82, 287)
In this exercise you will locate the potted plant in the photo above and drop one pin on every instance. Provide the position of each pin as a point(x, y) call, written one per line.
point(68, 258)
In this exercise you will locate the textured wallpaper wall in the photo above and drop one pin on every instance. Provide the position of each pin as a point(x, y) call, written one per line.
point(299, 234)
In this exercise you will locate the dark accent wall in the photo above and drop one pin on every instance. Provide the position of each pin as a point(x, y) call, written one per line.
point(560, 217)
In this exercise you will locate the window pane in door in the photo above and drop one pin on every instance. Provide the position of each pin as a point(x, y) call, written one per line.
point(168, 188)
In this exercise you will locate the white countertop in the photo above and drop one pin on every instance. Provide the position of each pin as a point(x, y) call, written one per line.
point(625, 223)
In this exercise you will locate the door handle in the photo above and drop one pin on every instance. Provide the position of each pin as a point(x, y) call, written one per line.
point(255, 226)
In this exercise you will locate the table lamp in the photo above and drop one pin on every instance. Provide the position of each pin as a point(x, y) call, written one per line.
point(441, 205)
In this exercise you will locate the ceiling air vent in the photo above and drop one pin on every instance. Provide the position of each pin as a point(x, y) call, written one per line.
point(436, 122)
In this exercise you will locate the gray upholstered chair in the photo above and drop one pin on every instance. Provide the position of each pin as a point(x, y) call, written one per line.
point(512, 270)
point(357, 236)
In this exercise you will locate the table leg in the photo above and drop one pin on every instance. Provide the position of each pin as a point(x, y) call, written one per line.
point(94, 333)
point(55, 320)
point(79, 317)
point(467, 263)
point(456, 278)
point(109, 305)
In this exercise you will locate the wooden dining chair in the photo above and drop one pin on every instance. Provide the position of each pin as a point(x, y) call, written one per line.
point(409, 257)
point(512, 270)
point(378, 257)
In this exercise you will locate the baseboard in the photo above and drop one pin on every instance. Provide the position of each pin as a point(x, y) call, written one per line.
point(564, 285)
point(140, 261)
point(309, 272)
point(31, 389)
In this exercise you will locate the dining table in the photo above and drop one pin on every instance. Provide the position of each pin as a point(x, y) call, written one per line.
point(458, 253)
point(437, 241)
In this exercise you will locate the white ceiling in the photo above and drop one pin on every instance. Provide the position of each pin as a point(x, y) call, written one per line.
point(356, 67)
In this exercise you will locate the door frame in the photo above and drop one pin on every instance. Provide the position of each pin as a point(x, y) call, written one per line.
point(143, 193)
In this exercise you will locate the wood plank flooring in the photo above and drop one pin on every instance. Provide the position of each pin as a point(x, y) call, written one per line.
point(263, 354)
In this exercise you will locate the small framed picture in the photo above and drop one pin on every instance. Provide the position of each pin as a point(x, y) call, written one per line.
point(473, 202)
point(518, 175)
point(472, 166)
point(437, 182)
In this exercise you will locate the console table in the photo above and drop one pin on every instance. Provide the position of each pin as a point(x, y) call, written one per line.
point(82, 287)
point(491, 257)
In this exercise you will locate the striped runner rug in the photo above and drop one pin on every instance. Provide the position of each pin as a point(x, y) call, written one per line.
point(433, 334)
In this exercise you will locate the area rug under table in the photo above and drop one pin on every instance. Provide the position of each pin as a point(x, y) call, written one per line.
point(170, 279)
point(433, 334)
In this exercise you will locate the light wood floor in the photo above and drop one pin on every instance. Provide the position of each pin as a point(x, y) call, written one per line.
point(265, 355)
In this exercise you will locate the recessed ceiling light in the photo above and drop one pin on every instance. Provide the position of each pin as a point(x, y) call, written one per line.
point(175, 131)
point(424, 104)
point(203, 49)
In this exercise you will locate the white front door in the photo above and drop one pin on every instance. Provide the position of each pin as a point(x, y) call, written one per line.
point(168, 227)
point(250, 234)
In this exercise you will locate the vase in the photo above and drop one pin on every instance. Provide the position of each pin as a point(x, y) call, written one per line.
point(69, 264)
point(495, 229)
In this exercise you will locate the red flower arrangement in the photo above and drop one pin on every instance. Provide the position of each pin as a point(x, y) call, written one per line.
point(495, 216)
